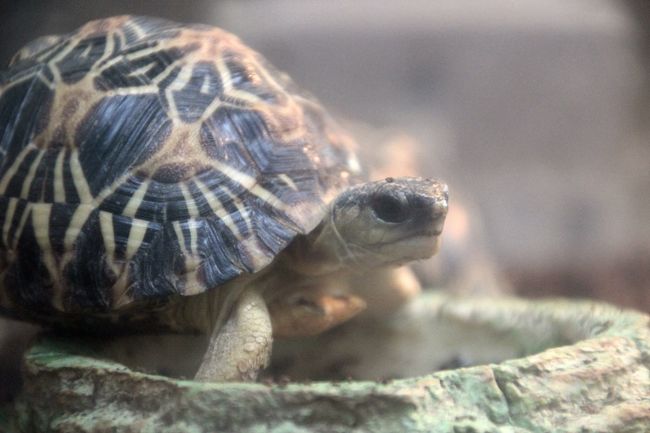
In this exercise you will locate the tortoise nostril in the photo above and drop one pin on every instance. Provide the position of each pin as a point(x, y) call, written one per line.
point(390, 208)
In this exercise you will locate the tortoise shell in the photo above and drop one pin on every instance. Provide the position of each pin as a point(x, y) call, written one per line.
point(143, 159)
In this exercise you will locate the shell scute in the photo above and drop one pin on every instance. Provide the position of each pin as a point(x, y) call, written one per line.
point(118, 133)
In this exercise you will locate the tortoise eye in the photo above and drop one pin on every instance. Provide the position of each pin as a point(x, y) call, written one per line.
point(391, 208)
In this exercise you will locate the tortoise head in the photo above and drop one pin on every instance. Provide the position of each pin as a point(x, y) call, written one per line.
point(387, 222)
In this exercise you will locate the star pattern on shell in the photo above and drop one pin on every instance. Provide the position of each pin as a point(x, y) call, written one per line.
point(143, 159)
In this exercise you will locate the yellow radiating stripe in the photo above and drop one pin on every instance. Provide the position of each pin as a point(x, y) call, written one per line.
point(41, 223)
point(112, 188)
point(136, 199)
point(192, 283)
point(77, 221)
point(59, 188)
point(140, 90)
point(178, 83)
point(228, 88)
point(286, 179)
point(27, 181)
point(79, 179)
point(250, 183)
point(192, 209)
point(106, 227)
point(129, 57)
point(205, 85)
point(243, 211)
point(21, 224)
point(57, 58)
point(136, 235)
point(86, 51)
point(193, 236)
point(9, 217)
point(142, 70)
point(108, 48)
point(241, 95)
point(218, 208)
point(180, 236)
point(9, 174)
point(135, 29)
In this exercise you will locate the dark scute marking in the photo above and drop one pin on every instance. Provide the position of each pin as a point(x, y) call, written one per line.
point(161, 202)
point(42, 188)
point(200, 200)
point(269, 154)
point(272, 229)
point(60, 217)
point(139, 46)
point(118, 199)
point(219, 249)
point(24, 110)
point(307, 184)
point(21, 208)
point(199, 91)
point(221, 185)
point(89, 277)
point(122, 74)
point(222, 141)
point(47, 73)
point(171, 173)
point(4, 205)
point(152, 266)
point(159, 28)
point(15, 185)
point(117, 44)
point(80, 60)
point(154, 203)
point(27, 280)
point(121, 230)
point(164, 83)
point(176, 206)
point(224, 189)
point(117, 134)
point(156, 267)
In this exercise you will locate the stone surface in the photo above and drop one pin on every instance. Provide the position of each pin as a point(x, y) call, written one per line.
point(585, 367)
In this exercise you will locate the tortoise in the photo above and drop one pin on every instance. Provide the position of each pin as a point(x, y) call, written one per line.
point(164, 177)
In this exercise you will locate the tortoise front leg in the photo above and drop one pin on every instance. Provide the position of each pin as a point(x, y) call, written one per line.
point(242, 345)
point(313, 308)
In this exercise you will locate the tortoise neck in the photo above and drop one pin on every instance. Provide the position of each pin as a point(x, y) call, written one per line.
point(320, 252)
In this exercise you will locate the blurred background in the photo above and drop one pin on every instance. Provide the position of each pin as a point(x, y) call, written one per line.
point(536, 112)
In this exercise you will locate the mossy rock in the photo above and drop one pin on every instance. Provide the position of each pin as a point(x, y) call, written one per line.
point(584, 367)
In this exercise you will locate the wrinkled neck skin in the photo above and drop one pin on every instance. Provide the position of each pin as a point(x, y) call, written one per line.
point(321, 252)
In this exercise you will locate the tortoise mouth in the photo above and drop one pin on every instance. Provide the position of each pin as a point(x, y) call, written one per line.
point(413, 247)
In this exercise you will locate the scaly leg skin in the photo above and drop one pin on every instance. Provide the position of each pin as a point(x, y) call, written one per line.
point(385, 290)
point(242, 346)
point(313, 309)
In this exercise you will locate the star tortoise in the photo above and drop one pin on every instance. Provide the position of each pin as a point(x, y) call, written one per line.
point(157, 176)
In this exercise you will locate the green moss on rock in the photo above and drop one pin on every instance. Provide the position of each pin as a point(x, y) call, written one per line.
point(598, 382)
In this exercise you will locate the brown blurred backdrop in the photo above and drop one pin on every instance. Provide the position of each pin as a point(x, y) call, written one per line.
point(535, 112)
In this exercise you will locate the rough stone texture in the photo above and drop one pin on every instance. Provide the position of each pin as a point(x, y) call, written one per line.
point(599, 383)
